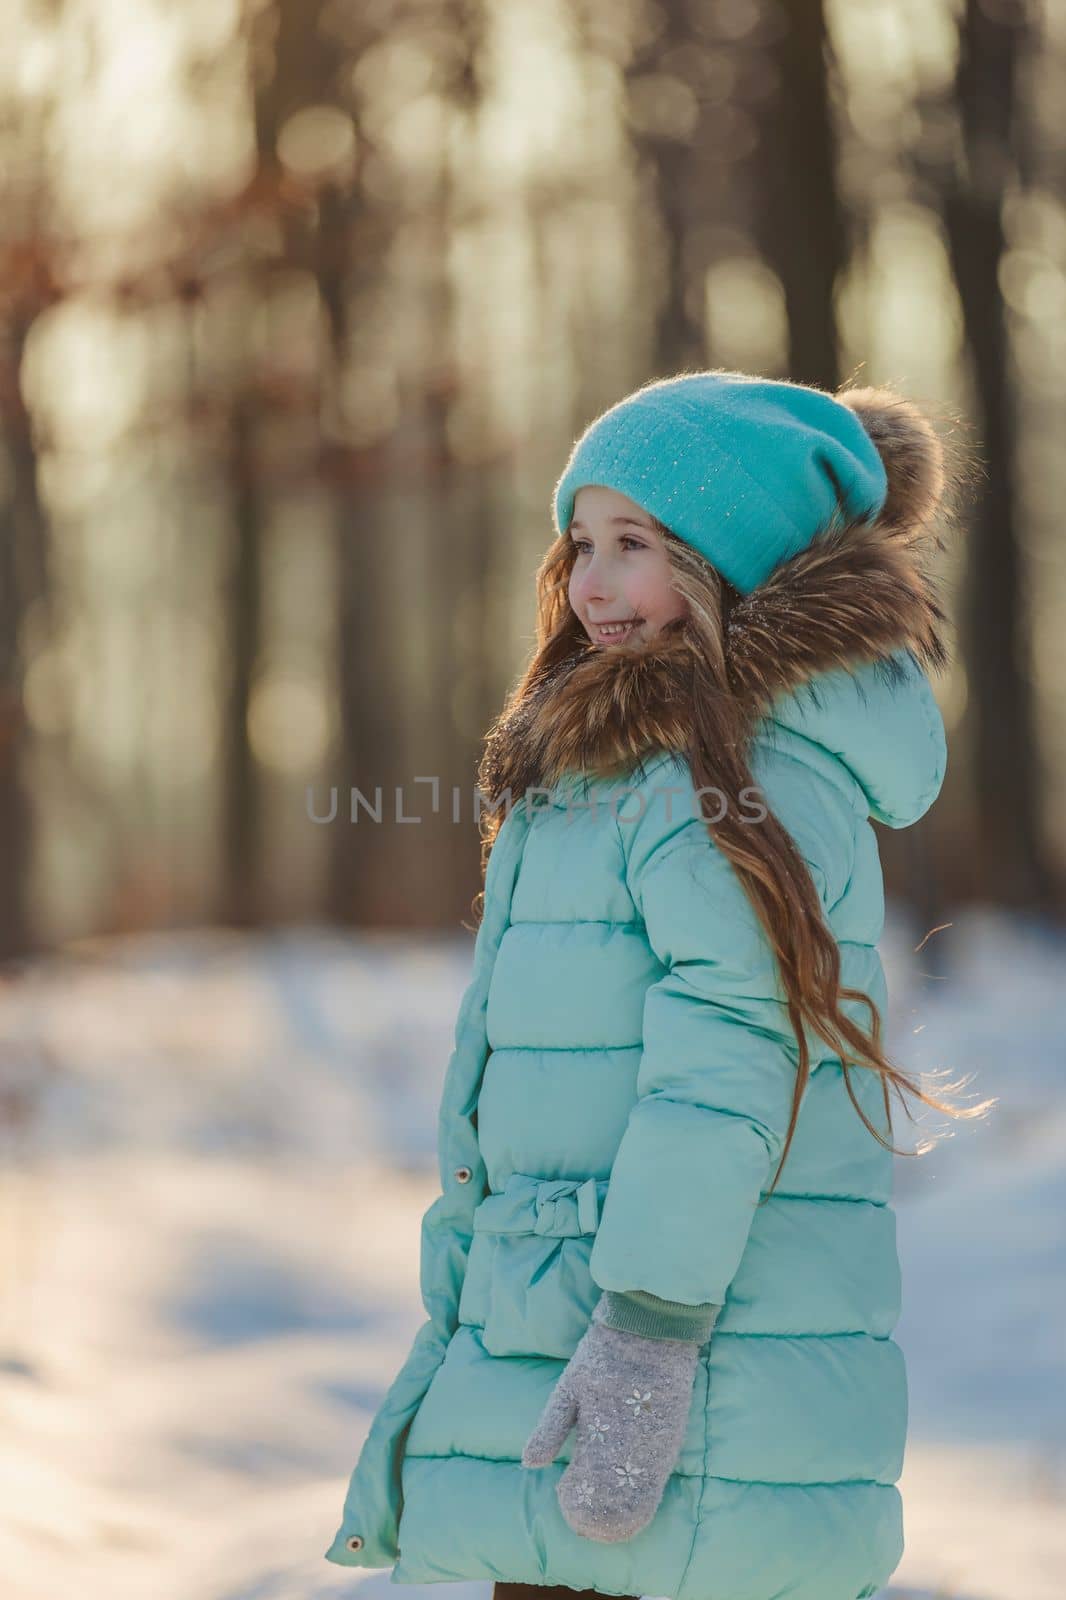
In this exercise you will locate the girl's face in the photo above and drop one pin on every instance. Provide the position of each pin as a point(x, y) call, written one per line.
point(621, 572)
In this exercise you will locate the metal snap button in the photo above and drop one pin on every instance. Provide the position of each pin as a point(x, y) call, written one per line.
point(355, 1542)
point(463, 1174)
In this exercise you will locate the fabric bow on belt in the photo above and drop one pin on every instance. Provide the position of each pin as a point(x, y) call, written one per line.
point(555, 1200)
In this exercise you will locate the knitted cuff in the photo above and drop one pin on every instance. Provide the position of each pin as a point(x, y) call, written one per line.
point(636, 1311)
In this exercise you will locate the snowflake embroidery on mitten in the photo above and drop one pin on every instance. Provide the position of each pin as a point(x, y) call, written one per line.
point(628, 1475)
point(584, 1492)
point(638, 1402)
point(598, 1430)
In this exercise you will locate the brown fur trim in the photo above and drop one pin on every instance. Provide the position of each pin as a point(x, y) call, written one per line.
point(601, 711)
point(857, 594)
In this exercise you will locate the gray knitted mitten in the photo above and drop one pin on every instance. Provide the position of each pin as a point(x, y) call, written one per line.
point(630, 1397)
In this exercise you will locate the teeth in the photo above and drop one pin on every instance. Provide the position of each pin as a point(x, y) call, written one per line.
point(614, 629)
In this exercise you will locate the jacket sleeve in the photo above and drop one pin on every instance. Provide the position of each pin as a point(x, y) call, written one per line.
point(717, 1073)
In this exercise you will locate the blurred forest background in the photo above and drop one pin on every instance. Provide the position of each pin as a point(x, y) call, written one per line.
point(303, 303)
point(302, 306)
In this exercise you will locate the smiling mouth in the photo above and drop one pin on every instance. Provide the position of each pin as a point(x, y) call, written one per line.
point(612, 632)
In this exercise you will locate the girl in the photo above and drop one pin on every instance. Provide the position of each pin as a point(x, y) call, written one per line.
point(661, 1277)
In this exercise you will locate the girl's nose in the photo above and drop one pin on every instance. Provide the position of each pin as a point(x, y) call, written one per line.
point(594, 585)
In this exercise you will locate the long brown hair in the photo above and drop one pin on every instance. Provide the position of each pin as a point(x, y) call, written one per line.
point(767, 861)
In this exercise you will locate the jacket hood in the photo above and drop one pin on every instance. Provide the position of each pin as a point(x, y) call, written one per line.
point(888, 735)
point(828, 657)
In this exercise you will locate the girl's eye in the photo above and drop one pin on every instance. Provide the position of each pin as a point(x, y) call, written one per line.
point(627, 538)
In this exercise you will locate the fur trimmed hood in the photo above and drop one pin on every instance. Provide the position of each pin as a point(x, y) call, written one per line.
point(834, 644)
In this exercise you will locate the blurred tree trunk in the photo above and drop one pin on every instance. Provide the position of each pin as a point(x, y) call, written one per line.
point(667, 164)
point(365, 883)
point(23, 580)
point(363, 855)
point(444, 864)
point(800, 227)
point(393, 873)
point(241, 802)
point(1012, 859)
point(287, 36)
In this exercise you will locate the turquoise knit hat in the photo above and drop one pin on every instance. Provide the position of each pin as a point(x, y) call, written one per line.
point(747, 470)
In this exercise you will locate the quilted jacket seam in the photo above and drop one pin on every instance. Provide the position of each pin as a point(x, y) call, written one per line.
point(767, 1135)
point(705, 1369)
point(715, 1477)
point(854, 856)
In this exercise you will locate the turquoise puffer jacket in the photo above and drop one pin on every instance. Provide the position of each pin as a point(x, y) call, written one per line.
point(615, 1105)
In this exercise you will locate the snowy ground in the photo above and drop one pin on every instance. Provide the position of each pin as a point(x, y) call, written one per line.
point(214, 1158)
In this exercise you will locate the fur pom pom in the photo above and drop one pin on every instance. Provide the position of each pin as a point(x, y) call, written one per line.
point(910, 449)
